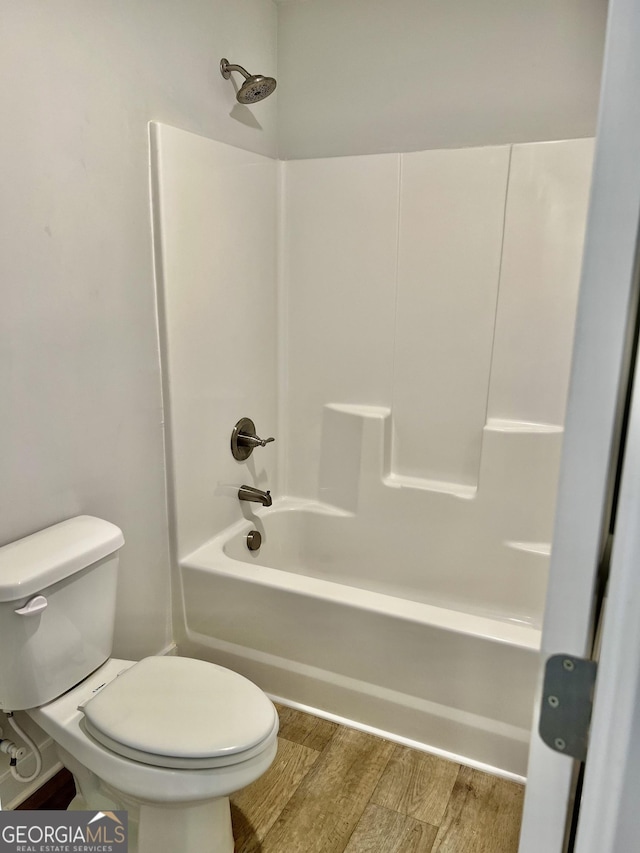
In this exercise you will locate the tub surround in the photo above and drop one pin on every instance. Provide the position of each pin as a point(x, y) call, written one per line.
point(439, 284)
point(405, 324)
point(482, 550)
point(215, 220)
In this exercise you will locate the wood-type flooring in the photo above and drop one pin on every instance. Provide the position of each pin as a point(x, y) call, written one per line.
point(333, 789)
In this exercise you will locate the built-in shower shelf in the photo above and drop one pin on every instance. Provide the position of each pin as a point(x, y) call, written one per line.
point(360, 410)
point(358, 453)
point(503, 521)
point(543, 548)
point(501, 425)
point(402, 481)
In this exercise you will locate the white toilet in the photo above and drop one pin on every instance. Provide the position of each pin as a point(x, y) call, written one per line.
point(166, 738)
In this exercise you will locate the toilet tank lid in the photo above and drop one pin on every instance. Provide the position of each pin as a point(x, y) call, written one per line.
point(29, 565)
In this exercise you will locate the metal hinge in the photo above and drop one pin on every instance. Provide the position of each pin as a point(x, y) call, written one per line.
point(567, 701)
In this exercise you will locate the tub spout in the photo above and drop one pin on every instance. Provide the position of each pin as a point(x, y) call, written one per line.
point(250, 493)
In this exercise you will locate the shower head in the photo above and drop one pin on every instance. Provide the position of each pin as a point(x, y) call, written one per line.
point(255, 87)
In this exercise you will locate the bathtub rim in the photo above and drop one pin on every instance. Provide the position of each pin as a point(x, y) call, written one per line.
point(211, 557)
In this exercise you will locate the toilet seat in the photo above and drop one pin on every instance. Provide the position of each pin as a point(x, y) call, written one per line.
point(181, 713)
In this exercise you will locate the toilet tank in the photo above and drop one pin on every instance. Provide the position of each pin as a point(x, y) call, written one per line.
point(57, 609)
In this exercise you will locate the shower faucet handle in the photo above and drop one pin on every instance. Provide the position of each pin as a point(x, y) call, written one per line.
point(253, 440)
point(244, 439)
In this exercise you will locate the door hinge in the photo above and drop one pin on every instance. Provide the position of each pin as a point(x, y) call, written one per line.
point(567, 701)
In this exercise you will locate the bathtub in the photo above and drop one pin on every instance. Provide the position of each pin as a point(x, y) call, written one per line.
point(307, 620)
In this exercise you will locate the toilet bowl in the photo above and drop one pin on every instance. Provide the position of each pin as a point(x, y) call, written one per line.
point(167, 739)
point(183, 806)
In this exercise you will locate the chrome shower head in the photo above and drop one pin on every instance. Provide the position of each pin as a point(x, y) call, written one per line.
point(255, 87)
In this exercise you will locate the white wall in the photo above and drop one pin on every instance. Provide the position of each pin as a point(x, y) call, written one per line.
point(372, 76)
point(82, 424)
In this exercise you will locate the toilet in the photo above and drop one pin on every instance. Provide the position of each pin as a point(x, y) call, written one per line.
point(167, 738)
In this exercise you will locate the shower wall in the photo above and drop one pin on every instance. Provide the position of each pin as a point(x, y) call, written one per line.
point(215, 223)
point(432, 295)
point(440, 284)
point(413, 366)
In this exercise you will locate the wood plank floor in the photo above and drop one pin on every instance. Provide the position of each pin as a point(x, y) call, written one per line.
point(333, 789)
point(337, 790)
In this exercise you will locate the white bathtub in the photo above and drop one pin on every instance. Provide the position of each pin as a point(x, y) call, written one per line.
point(306, 620)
